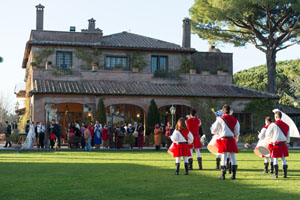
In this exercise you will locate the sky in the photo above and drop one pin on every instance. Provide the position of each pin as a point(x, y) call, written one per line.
point(161, 19)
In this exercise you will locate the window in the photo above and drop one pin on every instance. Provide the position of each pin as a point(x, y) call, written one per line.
point(245, 121)
point(116, 61)
point(63, 59)
point(159, 63)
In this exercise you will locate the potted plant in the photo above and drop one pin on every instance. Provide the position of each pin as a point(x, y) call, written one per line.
point(33, 65)
point(15, 139)
point(205, 71)
point(48, 65)
point(118, 68)
point(192, 69)
point(94, 66)
point(221, 70)
point(135, 67)
point(248, 140)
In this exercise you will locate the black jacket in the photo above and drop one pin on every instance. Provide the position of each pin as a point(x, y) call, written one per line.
point(8, 130)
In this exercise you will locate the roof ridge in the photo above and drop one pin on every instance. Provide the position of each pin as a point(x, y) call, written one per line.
point(258, 91)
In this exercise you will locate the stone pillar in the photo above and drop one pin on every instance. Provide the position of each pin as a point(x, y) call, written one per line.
point(40, 17)
point(186, 36)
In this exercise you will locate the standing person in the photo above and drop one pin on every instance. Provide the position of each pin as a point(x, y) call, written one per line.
point(97, 132)
point(157, 136)
point(163, 139)
point(168, 134)
point(41, 133)
point(261, 136)
point(57, 132)
point(121, 135)
point(14, 126)
point(181, 139)
point(91, 128)
point(130, 132)
point(52, 135)
point(7, 134)
point(227, 128)
point(280, 134)
point(193, 125)
point(27, 127)
point(105, 136)
point(36, 133)
point(88, 138)
point(140, 136)
point(82, 135)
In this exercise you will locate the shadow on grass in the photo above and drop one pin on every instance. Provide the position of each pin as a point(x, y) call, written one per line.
point(126, 181)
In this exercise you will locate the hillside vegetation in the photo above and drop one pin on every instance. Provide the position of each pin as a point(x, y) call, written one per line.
point(287, 80)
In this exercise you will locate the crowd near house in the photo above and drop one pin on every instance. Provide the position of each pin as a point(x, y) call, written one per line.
point(68, 72)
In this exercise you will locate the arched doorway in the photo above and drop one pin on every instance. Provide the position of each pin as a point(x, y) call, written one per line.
point(124, 113)
point(166, 116)
point(72, 112)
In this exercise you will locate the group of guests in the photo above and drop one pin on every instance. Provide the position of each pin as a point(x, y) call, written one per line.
point(97, 135)
point(9, 128)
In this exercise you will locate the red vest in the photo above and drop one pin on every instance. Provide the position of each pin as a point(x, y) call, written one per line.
point(184, 133)
point(230, 121)
point(283, 126)
point(193, 125)
point(266, 126)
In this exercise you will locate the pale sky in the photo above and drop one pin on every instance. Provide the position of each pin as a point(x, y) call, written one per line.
point(161, 19)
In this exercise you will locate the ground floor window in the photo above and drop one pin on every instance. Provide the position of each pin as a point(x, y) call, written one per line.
point(245, 120)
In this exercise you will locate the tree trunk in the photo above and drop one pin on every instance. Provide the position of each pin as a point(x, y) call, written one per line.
point(271, 65)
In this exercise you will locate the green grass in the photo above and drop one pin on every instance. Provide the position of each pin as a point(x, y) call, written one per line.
point(137, 175)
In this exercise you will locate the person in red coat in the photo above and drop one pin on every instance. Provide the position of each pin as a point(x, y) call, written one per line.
point(280, 135)
point(91, 129)
point(193, 126)
point(181, 139)
point(105, 136)
point(227, 128)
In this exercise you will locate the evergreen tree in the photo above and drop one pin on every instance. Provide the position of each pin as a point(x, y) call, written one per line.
point(1, 59)
point(153, 117)
point(101, 112)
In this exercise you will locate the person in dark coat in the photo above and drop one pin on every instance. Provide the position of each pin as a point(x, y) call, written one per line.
point(7, 134)
point(57, 132)
point(27, 127)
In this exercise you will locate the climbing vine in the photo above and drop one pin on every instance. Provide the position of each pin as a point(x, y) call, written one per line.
point(88, 57)
point(41, 56)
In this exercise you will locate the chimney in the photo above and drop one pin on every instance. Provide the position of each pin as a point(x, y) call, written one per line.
point(40, 17)
point(186, 36)
point(92, 25)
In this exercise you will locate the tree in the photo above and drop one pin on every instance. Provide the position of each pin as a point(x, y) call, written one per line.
point(153, 117)
point(269, 25)
point(101, 112)
point(1, 59)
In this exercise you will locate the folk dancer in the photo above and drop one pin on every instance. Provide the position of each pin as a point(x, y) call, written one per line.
point(193, 126)
point(261, 136)
point(228, 129)
point(280, 135)
point(181, 139)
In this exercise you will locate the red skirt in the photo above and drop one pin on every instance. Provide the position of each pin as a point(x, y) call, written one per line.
point(196, 143)
point(278, 151)
point(178, 150)
point(227, 145)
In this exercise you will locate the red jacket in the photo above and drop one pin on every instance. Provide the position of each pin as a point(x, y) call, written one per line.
point(104, 134)
point(91, 130)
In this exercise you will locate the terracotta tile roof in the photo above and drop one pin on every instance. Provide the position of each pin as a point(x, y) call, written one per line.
point(144, 89)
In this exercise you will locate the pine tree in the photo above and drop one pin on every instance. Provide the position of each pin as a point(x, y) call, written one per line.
point(153, 117)
point(101, 112)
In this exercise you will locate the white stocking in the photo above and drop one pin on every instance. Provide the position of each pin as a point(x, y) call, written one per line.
point(198, 153)
point(275, 161)
point(223, 159)
point(191, 153)
point(178, 159)
point(218, 155)
point(233, 159)
point(284, 162)
point(266, 159)
point(185, 159)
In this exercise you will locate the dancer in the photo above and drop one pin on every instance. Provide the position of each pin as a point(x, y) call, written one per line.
point(228, 129)
point(280, 134)
point(193, 125)
point(261, 136)
point(181, 139)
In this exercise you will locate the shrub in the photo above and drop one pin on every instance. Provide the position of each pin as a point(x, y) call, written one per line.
point(101, 112)
point(153, 117)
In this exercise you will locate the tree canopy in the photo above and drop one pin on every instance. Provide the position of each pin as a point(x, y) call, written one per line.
point(269, 25)
point(287, 80)
point(1, 59)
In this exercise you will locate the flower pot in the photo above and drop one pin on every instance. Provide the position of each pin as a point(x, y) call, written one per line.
point(94, 68)
point(222, 73)
point(135, 70)
point(34, 67)
point(205, 72)
point(192, 71)
point(48, 66)
point(248, 145)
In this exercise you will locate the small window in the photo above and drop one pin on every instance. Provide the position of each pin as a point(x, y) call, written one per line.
point(159, 63)
point(116, 61)
point(63, 59)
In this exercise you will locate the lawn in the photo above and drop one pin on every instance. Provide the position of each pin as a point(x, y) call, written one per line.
point(137, 175)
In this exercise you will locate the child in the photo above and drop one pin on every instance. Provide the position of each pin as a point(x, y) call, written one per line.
point(181, 139)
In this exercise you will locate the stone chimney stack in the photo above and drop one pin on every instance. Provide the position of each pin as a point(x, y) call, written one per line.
point(92, 25)
point(186, 36)
point(40, 17)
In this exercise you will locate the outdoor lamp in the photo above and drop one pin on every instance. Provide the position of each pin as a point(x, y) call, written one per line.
point(173, 110)
point(112, 109)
